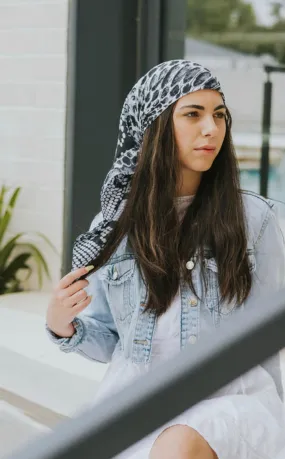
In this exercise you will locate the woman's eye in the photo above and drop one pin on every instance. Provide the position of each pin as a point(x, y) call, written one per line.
point(192, 114)
point(220, 115)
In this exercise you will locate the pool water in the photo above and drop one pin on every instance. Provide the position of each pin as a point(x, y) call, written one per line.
point(276, 187)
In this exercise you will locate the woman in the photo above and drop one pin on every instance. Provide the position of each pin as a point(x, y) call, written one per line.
point(176, 250)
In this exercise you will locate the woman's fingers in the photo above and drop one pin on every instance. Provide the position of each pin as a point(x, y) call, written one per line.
point(75, 288)
point(72, 300)
point(81, 306)
point(68, 299)
point(71, 277)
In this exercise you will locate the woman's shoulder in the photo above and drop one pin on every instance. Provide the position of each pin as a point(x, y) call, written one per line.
point(258, 212)
point(256, 204)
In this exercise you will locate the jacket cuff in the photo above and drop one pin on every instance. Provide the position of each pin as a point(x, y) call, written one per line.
point(68, 344)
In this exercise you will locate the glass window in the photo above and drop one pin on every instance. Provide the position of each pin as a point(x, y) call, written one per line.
point(235, 39)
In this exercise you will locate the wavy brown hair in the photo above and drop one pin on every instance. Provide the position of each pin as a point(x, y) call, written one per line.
point(161, 244)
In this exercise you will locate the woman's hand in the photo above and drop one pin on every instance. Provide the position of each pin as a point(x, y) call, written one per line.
point(67, 301)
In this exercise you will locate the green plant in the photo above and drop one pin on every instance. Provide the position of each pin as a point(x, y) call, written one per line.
point(15, 253)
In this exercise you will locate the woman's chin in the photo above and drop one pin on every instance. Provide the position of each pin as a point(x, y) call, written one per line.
point(201, 166)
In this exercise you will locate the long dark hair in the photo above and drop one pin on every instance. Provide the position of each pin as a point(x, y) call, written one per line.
point(215, 219)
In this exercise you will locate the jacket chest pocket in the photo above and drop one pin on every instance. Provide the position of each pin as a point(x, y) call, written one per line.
point(119, 279)
point(212, 294)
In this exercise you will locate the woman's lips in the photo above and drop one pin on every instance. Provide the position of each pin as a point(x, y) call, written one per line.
point(206, 149)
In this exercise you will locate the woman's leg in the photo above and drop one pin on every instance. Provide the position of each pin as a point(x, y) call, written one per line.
point(181, 442)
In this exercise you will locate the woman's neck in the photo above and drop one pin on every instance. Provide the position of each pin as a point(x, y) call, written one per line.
point(190, 182)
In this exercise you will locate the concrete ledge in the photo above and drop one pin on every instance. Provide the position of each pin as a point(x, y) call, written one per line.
point(33, 368)
point(37, 413)
point(44, 385)
point(16, 429)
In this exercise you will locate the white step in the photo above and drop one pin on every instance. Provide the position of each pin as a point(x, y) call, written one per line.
point(33, 367)
point(16, 429)
point(48, 386)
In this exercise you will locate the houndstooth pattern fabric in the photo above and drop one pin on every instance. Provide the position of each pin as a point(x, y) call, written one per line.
point(152, 94)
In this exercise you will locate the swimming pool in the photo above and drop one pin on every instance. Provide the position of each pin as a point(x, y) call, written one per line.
point(276, 186)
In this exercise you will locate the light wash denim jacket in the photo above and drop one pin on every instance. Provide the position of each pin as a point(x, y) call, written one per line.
point(115, 319)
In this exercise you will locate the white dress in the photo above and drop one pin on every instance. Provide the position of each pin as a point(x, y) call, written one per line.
point(243, 420)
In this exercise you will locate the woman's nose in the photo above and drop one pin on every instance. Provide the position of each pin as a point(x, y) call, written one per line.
point(209, 127)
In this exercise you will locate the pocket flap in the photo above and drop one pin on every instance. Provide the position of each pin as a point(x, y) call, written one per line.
point(119, 272)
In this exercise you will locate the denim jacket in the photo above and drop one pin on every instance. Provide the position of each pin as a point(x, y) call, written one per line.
point(115, 319)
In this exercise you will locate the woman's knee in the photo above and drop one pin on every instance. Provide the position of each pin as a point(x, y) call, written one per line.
point(181, 442)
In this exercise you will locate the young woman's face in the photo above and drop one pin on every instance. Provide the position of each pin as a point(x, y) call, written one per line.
point(199, 126)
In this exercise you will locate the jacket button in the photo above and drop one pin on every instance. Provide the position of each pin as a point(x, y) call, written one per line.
point(190, 265)
point(192, 339)
point(193, 302)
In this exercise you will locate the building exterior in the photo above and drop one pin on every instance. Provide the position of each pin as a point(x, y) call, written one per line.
point(33, 36)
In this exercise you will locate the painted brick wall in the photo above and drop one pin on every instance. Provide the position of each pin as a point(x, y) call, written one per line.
point(33, 35)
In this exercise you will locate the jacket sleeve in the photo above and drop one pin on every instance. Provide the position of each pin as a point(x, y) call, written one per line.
point(269, 276)
point(95, 331)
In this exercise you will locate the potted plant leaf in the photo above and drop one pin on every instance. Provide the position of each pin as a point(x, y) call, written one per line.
point(15, 252)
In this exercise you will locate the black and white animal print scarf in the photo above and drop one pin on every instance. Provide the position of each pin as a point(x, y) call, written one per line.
point(152, 94)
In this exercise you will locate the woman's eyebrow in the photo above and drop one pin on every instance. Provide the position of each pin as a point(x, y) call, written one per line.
point(219, 107)
point(200, 107)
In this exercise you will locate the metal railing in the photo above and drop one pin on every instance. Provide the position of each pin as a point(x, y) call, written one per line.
point(123, 419)
point(266, 127)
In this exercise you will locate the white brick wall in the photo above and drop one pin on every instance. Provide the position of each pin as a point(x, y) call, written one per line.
point(33, 35)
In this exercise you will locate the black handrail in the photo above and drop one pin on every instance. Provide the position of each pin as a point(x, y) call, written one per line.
point(266, 127)
point(194, 374)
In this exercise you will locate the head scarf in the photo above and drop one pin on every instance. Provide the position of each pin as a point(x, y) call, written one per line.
point(152, 94)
